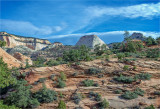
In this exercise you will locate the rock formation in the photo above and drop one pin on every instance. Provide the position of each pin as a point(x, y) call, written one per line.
point(90, 41)
point(54, 45)
point(10, 60)
point(15, 40)
point(23, 58)
point(138, 36)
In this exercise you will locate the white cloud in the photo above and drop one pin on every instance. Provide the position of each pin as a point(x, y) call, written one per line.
point(141, 10)
point(27, 27)
point(106, 34)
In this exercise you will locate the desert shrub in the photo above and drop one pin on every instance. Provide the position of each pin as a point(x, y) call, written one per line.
point(94, 71)
point(124, 79)
point(150, 41)
point(107, 57)
point(100, 76)
point(21, 96)
point(45, 95)
point(42, 80)
point(95, 96)
point(63, 76)
point(118, 91)
point(52, 77)
point(80, 54)
point(153, 53)
point(134, 67)
point(61, 105)
point(39, 62)
point(27, 64)
point(77, 98)
point(3, 106)
point(157, 93)
point(158, 40)
point(104, 104)
point(139, 91)
point(61, 83)
point(52, 62)
point(88, 82)
point(150, 107)
point(143, 76)
point(75, 74)
point(120, 56)
point(126, 67)
point(133, 46)
point(129, 95)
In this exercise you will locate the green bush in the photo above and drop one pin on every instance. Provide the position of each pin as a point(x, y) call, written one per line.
point(61, 83)
point(150, 107)
point(21, 96)
point(2, 43)
point(157, 93)
point(139, 91)
point(126, 67)
point(153, 53)
point(77, 98)
point(143, 76)
point(95, 96)
point(6, 78)
point(94, 71)
point(104, 104)
point(118, 91)
point(61, 105)
point(39, 62)
point(129, 95)
point(53, 63)
point(63, 76)
point(133, 46)
point(150, 41)
point(120, 56)
point(42, 80)
point(124, 79)
point(3, 106)
point(88, 82)
point(80, 54)
point(45, 95)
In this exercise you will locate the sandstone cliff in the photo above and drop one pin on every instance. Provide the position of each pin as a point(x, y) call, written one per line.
point(10, 60)
point(14, 40)
point(90, 41)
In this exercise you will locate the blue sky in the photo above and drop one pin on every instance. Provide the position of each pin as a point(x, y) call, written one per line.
point(67, 20)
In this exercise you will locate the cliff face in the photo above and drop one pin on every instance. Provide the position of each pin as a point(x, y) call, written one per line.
point(14, 40)
point(90, 41)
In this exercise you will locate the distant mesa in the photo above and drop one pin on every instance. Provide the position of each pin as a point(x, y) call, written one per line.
point(30, 42)
point(90, 41)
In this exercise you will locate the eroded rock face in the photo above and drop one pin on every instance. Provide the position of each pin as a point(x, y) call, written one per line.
point(23, 58)
point(14, 40)
point(90, 41)
point(10, 60)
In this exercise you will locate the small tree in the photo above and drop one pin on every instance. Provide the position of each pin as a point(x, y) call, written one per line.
point(62, 76)
point(45, 95)
point(61, 83)
point(126, 35)
point(61, 105)
point(2, 43)
point(21, 96)
point(5, 76)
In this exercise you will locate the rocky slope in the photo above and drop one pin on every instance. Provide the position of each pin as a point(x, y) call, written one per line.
point(14, 40)
point(90, 41)
point(106, 88)
point(10, 60)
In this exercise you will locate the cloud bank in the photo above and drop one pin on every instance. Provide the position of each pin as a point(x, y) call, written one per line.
point(141, 10)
